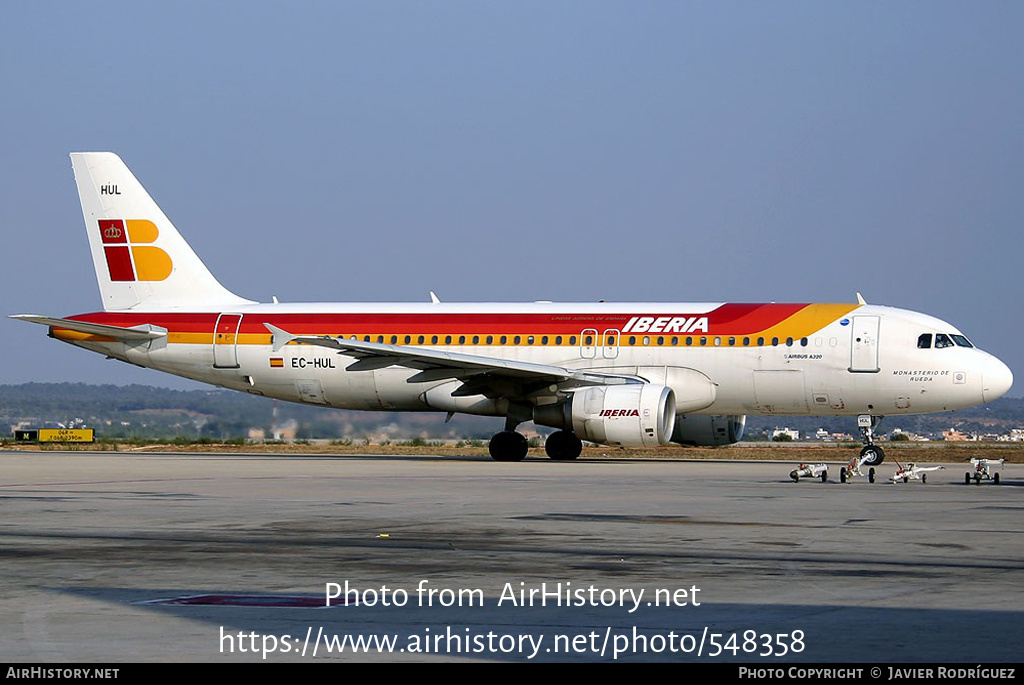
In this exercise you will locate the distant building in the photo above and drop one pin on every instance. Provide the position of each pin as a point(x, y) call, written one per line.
point(793, 434)
point(953, 435)
point(897, 432)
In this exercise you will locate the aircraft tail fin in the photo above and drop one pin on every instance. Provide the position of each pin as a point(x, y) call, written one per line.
point(141, 260)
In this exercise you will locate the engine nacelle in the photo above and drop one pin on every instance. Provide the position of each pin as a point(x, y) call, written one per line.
point(636, 415)
point(707, 430)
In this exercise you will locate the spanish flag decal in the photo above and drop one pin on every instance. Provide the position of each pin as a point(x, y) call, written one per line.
point(276, 363)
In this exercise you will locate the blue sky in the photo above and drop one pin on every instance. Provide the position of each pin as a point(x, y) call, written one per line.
point(568, 151)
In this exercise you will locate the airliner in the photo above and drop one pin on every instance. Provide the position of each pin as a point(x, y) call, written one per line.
point(627, 374)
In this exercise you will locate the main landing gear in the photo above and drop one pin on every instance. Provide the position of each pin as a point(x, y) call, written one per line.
point(563, 446)
point(509, 445)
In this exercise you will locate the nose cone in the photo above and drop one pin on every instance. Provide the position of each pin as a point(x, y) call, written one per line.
point(996, 379)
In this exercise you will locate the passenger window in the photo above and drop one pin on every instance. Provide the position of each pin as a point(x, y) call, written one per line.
point(942, 340)
point(924, 342)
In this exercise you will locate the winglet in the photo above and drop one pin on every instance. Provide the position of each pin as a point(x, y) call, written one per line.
point(860, 299)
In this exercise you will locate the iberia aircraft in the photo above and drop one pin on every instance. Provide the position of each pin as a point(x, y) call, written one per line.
point(639, 374)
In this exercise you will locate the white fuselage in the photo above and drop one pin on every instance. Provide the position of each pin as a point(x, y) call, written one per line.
point(865, 361)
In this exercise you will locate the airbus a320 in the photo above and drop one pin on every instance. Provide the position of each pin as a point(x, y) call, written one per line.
point(629, 374)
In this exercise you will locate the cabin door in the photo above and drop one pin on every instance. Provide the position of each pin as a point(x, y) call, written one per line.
point(225, 341)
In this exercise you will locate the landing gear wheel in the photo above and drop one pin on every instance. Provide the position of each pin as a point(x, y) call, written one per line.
point(995, 479)
point(824, 476)
point(794, 476)
point(508, 446)
point(842, 475)
point(871, 475)
point(563, 446)
point(977, 479)
point(872, 455)
point(924, 478)
point(967, 479)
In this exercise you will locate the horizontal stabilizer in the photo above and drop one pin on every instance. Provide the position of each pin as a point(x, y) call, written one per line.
point(143, 332)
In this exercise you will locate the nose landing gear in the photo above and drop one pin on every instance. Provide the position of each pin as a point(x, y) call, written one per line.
point(871, 454)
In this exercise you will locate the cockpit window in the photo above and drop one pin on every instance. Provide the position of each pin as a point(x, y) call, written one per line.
point(962, 341)
point(924, 341)
point(942, 340)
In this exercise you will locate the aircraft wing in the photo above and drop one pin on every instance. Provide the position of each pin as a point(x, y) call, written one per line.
point(436, 365)
point(144, 332)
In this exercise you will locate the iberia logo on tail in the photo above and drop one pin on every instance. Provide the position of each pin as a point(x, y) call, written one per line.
point(127, 244)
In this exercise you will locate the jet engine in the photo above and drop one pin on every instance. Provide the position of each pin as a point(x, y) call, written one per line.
point(636, 415)
point(708, 430)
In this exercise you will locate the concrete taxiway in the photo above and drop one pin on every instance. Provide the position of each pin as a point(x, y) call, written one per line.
point(116, 557)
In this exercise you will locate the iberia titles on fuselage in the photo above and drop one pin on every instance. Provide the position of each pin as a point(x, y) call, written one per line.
point(631, 374)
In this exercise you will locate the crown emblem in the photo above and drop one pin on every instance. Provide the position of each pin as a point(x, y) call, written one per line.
point(112, 232)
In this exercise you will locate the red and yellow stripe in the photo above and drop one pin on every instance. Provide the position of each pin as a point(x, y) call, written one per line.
point(752, 320)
